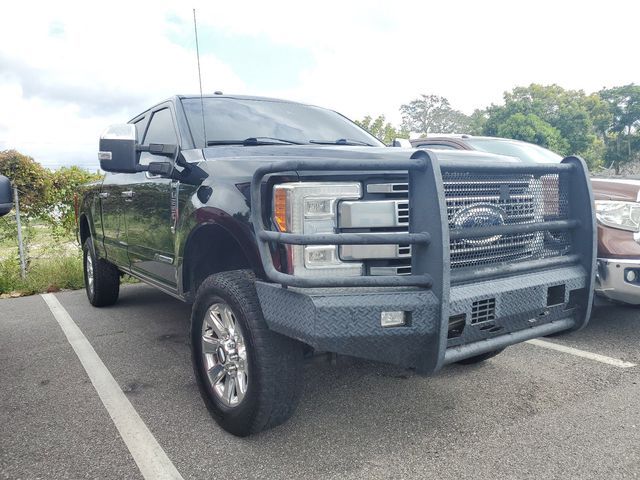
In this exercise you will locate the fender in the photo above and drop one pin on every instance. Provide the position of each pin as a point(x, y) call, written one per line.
point(235, 224)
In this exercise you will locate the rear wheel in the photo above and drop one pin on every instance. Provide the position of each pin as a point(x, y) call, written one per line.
point(250, 378)
point(101, 278)
point(480, 358)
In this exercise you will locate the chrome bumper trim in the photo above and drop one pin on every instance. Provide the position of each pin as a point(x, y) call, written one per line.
point(610, 281)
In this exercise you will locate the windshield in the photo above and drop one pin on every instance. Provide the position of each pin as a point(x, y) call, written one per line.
point(522, 150)
point(233, 120)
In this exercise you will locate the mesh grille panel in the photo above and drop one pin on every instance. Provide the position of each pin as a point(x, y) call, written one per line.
point(481, 200)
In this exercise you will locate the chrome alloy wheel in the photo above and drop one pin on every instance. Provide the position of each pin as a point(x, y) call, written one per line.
point(89, 268)
point(224, 354)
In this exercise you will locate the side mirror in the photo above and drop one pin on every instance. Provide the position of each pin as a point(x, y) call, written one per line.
point(401, 142)
point(6, 196)
point(120, 152)
point(118, 149)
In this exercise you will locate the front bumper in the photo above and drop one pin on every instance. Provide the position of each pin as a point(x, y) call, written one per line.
point(497, 313)
point(611, 282)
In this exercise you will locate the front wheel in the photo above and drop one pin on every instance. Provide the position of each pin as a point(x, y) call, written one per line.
point(101, 278)
point(250, 378)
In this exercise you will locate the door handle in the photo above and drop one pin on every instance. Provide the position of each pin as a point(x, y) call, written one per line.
point(103, 194)
point(127, 194)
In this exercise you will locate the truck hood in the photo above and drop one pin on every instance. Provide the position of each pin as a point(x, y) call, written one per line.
point(267, 152)
point(238, 163)
point(616, 189)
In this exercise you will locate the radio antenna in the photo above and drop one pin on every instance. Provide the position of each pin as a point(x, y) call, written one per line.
point(195, 28)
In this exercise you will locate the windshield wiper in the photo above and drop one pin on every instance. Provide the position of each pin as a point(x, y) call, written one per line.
point(254, 141)
point(341, 141)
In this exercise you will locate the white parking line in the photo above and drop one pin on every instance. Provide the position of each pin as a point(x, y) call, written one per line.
point(145, 449)
point(581, 353)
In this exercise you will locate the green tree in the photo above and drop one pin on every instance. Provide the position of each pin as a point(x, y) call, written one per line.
point(433, 114)
point(569, 112)
point(530, 128)
point(622, 137)
point(477, 121)
point(31, 178)
point(44, 195)
point(381, 129)
point(66, 183)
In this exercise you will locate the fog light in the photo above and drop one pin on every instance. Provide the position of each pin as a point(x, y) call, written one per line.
point(630, 276)
point(392, 319)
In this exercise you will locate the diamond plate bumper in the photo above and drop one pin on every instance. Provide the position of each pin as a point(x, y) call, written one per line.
point(347, 321)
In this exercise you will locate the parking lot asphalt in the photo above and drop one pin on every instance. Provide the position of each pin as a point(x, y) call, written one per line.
point(530, 412)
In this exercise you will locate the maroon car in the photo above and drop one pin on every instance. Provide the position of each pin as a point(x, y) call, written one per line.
point(617, 211)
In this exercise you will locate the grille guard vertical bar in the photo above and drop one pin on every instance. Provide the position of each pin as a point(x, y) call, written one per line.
point(436, 259)
point(584, 237)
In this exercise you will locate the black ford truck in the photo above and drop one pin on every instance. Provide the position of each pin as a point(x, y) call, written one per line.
point(292, 230)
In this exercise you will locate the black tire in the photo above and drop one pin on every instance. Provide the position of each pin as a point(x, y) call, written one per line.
point(104, 288)
point(273, 382)
point(480, 358)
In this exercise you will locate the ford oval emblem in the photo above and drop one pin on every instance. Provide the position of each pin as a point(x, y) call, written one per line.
point(480, 215)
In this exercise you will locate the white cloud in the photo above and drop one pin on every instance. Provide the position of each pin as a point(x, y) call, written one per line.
point(372, 56)
point(102, 66)
point(67, 69)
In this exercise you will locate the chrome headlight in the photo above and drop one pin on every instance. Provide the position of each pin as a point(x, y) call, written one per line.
point(308, 208)
point(622, 215)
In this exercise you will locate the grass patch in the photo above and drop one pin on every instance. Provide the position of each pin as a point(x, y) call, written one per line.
point(54, 262)
point(44, 275)
point(47, 274)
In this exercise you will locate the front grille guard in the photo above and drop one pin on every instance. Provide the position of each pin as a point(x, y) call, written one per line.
point(429, 234)
point(422, 176)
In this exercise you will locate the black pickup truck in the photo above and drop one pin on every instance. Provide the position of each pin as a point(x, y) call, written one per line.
point(293, 231)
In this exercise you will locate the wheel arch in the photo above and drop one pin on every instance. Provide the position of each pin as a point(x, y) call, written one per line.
point(212, 248)
point(84, 228)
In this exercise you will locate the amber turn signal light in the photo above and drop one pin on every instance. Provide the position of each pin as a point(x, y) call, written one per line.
point(280, 209)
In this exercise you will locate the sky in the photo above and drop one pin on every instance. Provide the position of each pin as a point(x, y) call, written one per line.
point(69, 69)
